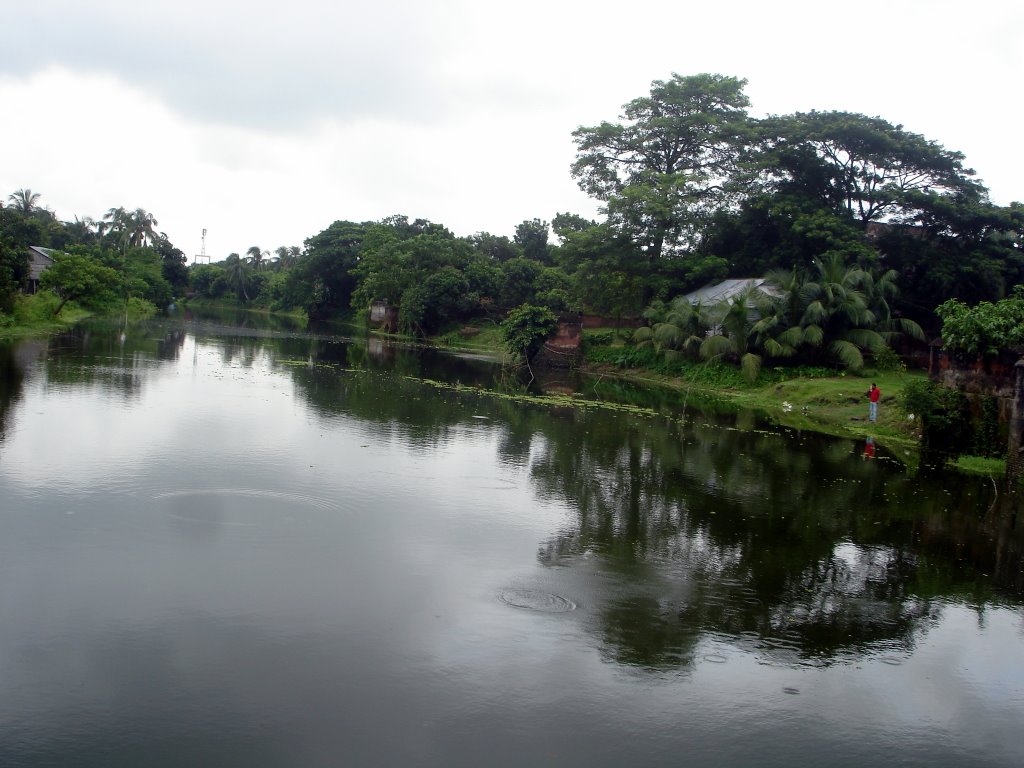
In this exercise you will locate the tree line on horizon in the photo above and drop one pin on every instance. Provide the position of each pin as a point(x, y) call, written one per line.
point(863, 226)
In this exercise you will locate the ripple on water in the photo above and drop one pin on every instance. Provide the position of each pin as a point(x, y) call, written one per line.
point(536, 600)
point(244, 507)
point(715, 658)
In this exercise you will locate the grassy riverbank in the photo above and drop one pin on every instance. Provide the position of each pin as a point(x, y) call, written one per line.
point(835, 405)
point(33, 316)
point(799, 399)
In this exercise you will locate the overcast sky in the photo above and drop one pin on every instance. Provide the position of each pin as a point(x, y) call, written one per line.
point(265, 122)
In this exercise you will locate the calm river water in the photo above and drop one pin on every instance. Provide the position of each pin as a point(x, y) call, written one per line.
point(248, 545)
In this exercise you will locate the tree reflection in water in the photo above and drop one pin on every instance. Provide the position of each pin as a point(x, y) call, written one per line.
point(713, 526)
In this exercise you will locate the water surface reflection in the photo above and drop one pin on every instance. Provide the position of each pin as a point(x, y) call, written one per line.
point(256, 544)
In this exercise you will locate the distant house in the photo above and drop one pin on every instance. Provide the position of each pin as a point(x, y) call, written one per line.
point(716, 293)
point(384, 316)
point(39, 261)
point(719, 293)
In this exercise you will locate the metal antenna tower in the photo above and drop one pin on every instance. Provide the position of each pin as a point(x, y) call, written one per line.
point(195, 259)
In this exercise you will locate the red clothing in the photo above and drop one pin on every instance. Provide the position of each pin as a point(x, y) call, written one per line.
point(874, 394)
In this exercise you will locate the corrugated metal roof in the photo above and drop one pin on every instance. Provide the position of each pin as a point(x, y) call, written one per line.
point(725, 290)
point(39, 261)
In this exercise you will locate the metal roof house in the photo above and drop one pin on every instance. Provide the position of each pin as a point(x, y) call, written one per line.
point(727, 289)
point(716, 294)
point(39, 261)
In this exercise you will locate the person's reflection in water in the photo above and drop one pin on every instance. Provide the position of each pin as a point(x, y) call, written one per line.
point(869, 448)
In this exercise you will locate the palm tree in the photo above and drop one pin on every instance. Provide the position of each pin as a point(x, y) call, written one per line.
point(880, 290)
point(287, 256)
point(142, 226)
point(81, 229)
point(119, 226)
point(837, 310)
point(237, 275)
point(24, 200)
point(255, 256)
point(731, 334)
point(674, 328)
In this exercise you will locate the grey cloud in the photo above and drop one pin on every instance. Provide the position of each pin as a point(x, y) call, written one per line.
point(271, 69)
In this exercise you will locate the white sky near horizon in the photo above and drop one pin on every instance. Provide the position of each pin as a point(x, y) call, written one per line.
point(265, 122)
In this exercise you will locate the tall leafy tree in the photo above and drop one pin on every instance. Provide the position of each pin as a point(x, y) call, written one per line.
point(532, 237)
point(669, 162)
point(871, 168)
point(498, 248)
point(324, 279)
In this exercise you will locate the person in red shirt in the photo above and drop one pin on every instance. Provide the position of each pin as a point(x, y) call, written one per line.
point(873, 394)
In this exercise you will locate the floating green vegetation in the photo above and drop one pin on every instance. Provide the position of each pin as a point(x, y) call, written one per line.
point(561, 401)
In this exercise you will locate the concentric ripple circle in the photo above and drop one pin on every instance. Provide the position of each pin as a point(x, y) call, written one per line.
point(536, 600)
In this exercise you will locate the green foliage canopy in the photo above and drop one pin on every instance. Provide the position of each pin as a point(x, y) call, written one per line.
point(75, 277)
point(526, 329)
point(661, 170)
point(986, 328)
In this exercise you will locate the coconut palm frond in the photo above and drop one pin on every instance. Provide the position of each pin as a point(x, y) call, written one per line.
point(814, 314)
point(750, 364)
point(902, 326)
point(667, 336)
point(717, 346)
point(813, 335)
point(775, 348)
point(847, 354)
point(864, 338)
point(792, 337)
point(642, 336)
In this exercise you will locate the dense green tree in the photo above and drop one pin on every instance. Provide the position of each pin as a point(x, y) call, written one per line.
point(498, 248)
point(782, 230)
point(608, 273)
point(323, 281)
point(553, 289)
point(519, 276)
point(208, 280)
point(869, 167)
point(986, 328)
point(144, 277)
point(565, 224)
point(80, 278)
point(663, 169)
point(173, 264)
point(527, 328)
point(18, 231)
point(426, 305)
point(532, 237)
point(962, 249)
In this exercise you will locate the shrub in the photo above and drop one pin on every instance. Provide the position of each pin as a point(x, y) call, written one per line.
point(944, 416)
point(527, 328)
